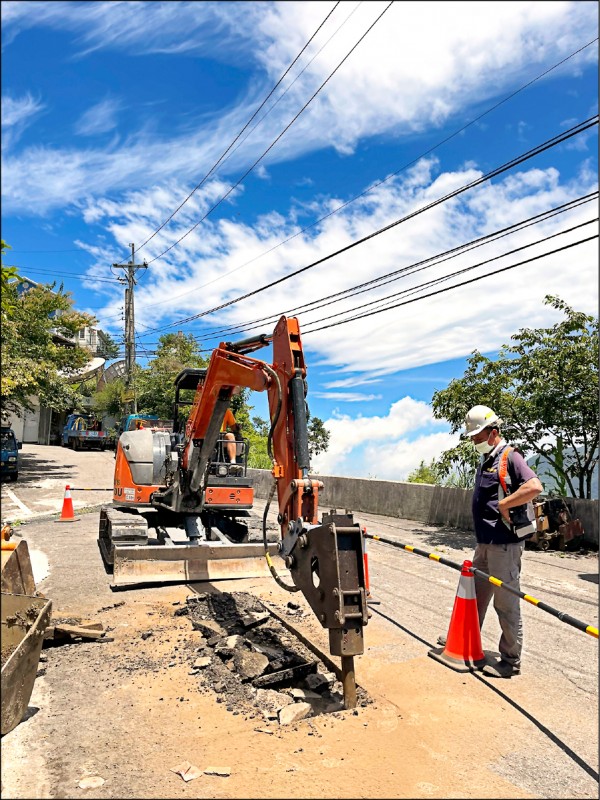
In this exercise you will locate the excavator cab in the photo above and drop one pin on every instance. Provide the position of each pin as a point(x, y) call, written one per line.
point(188, 380)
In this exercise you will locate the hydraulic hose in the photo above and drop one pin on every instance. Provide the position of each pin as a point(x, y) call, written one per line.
point(270, 564)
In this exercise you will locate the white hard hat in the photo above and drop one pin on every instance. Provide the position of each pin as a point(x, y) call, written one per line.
point(480, 417)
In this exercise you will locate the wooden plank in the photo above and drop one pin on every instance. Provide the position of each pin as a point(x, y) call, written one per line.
point(76, 630)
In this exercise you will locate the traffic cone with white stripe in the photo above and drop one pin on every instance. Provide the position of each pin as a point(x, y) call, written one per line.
point(463, 651)
point(67, 514)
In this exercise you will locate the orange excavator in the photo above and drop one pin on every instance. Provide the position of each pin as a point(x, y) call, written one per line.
point(180, 513)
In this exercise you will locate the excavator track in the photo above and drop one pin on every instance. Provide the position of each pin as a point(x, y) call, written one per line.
point(138, 553)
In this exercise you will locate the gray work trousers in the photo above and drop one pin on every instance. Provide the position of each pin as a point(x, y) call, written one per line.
point(502, 561)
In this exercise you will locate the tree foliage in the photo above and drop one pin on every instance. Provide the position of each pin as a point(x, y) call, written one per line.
point(107, 347)
point(35, 362)
point(424, 473)
point(544, 385)
point(155, 389)
point(108, 401)
point(457, 467)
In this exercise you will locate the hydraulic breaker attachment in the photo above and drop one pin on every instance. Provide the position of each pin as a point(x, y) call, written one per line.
point(326, 564)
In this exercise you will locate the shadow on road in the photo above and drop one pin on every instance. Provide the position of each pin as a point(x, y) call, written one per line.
point(32, 469)
point(540, 726)
point(449, 537)
point(585, 576)
point(489, 683)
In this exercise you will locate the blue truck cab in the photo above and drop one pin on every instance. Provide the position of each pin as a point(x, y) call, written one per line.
point(10, 453)
point(133, 421)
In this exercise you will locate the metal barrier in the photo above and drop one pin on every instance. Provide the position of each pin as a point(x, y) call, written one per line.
point(561, 615)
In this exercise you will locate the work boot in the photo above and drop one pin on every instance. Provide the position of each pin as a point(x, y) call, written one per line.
point(501, 669)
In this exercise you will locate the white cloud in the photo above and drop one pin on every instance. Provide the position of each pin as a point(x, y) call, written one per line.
point(347, 397)
point(100, 118)
point(17, 114)
point(473, 53)
point(387, 447)
point(207, 270)
point(182, 27)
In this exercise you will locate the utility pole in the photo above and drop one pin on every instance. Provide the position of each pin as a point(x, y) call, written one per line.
point(131, 268)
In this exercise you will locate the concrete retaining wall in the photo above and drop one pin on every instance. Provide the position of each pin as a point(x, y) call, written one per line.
point(433, 505)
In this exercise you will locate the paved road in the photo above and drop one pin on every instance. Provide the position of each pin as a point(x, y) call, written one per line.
point(556, 696)
point(44, 472)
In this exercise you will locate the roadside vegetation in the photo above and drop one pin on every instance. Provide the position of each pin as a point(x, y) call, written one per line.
point(544, 385)
point(35, 361)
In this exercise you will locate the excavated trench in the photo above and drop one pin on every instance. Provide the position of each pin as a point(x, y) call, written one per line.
point(256, 666)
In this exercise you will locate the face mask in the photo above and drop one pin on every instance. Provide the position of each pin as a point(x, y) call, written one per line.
point(483, 448)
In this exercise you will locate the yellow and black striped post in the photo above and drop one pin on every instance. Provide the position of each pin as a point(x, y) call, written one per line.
point(561, 615)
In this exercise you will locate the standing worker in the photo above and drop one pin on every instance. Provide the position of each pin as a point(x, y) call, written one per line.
point(503, 520)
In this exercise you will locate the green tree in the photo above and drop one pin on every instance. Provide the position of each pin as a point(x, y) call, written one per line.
point(424, 473)
point(107, 347)
point(155, 389)
point(544, 384)
point(108, 401)
point(318, 436)
point(35, 362)
point(457, 467)
point(9, 286)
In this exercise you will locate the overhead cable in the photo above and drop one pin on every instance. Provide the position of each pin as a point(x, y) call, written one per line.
point(289, 86)
point(443, 278)
point(59, 274)
point(225, 152)
point(274, 142)
point(393, 174)
point(410, 269)
point(455, 286)
point(555, 140)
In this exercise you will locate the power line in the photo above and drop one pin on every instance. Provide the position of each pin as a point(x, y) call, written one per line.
point(555, 140)
point(274, 142)
point(71, 250)
point(59, 274)
point(393, 174)
point(302, 71)
point(443, 278)
point(224, 154)
point(456, 286)
point(410, 269)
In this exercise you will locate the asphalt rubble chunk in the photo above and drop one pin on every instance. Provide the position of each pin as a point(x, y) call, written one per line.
point(254, 665)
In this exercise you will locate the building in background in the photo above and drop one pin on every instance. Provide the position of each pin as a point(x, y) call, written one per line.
point(42, 425)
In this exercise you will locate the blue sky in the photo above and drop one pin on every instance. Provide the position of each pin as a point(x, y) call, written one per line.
point(113, 112)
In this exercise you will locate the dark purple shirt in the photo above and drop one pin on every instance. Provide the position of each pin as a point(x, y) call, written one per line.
point(488, 524)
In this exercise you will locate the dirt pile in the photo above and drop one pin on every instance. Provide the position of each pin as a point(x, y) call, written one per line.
point(254, 665)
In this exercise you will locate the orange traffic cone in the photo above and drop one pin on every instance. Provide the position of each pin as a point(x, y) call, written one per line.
point(67, 514)
point(463, 651)
point(370, 599)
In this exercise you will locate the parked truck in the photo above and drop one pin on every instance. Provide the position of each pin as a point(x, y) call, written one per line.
point(84, 431)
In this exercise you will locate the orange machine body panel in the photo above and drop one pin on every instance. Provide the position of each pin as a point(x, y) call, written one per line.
point(127, 493)
point(227, 496)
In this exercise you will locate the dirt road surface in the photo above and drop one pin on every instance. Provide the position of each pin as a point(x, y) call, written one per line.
point(131, 709)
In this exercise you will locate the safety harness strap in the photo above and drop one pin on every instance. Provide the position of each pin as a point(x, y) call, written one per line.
point(503, 468)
